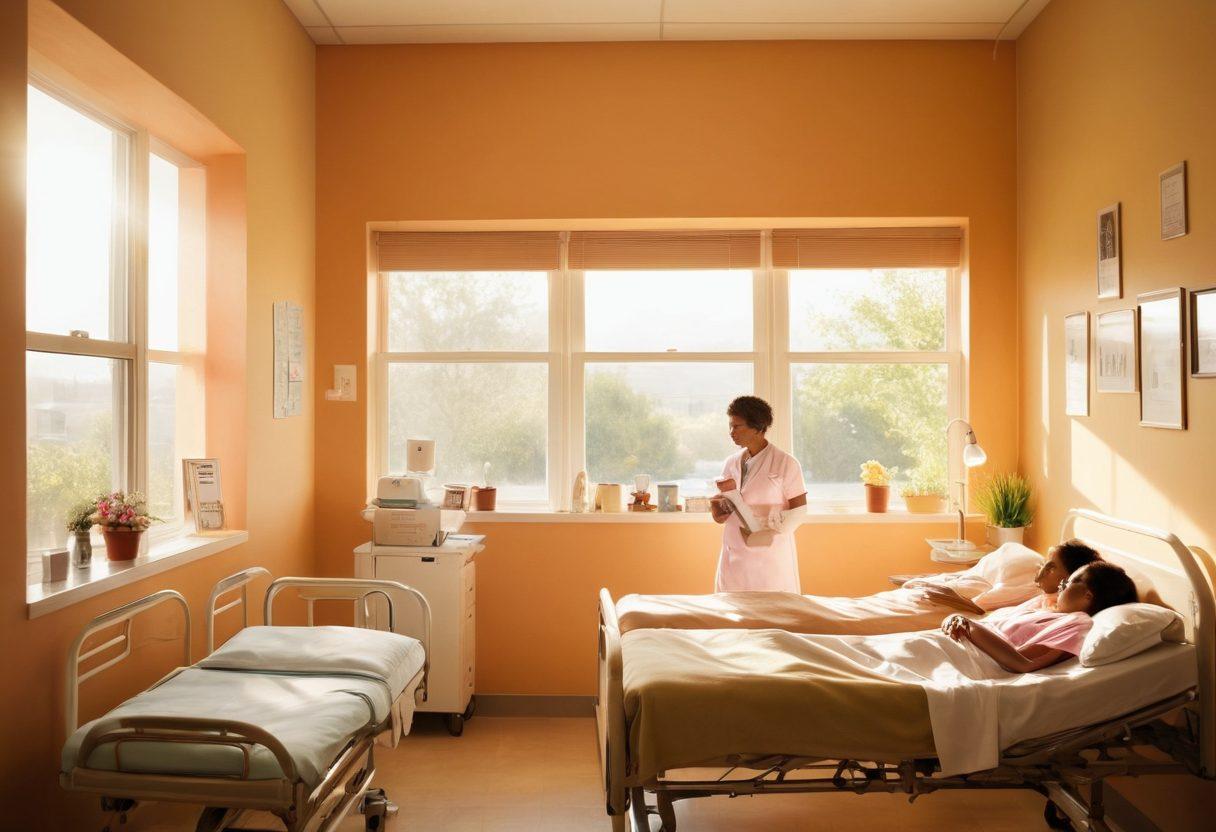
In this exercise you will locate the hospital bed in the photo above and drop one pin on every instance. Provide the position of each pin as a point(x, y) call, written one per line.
point(279, 719)
point(1095, 722)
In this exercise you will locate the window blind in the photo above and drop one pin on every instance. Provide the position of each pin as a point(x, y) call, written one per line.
point(867, 248)
point(664, 250)
point(455, 251)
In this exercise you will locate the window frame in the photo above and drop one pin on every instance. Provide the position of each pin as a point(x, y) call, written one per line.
point(567, 359)
point(129, 282)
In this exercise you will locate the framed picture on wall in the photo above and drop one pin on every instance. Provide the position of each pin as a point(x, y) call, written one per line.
point(1110, 252)
point(1115, 345)
point(1203, 333)
point(1162, 364)
point(1173, 201)
point(1076, 364)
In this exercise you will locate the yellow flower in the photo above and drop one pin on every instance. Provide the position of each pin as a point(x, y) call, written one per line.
point(874, 473)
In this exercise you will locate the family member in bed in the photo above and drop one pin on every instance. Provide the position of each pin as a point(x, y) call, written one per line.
point(1035, 639)
point(1062, 560)
point(770, 483)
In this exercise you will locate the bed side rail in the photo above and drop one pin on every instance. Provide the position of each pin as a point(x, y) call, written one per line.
point(241, 736)
point(359, 591)
point(610, 709)
point(121, 615)
point(1203, 616)
point(232, 583)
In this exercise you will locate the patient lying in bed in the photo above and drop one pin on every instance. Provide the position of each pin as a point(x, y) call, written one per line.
point(1004, 578)
point(1037, 635)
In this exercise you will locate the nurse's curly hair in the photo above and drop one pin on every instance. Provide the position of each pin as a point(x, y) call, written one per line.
point(753, 410)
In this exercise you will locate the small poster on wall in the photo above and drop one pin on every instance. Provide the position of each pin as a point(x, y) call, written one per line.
point(1162, 369)
point(1115, 343)
point(288, 359)
point(1076, 364)
point(1110, 273)
point(1173, 202)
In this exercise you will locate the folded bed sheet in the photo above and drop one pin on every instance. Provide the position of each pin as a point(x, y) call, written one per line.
point(735, 697)
point(391, 658)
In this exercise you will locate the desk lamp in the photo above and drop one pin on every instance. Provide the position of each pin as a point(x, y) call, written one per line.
point(973, 457)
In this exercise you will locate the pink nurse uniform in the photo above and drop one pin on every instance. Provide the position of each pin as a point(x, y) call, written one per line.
point(766, 560)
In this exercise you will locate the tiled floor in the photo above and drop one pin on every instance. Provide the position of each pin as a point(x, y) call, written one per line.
point(542, 775)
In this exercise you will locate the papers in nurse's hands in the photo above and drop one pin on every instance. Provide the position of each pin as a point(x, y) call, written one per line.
point(728, 491)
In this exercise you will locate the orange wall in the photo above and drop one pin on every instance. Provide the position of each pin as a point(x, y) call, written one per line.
point(249, 68)
point(650, 130)
point(1110, 95)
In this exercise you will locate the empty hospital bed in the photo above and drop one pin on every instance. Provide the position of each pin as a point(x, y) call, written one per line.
point(696, 713)
point(278, 719)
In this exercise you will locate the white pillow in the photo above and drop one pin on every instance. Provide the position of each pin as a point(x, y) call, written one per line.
point(1012, 563)
point(1122, 631)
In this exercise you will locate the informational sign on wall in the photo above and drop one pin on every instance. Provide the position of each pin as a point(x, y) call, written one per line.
point(288, 359)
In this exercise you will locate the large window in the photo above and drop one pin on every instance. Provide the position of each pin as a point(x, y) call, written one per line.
point(617, 353)
point(114, 314)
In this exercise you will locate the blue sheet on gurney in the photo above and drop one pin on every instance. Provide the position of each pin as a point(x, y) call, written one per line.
point(311, 688)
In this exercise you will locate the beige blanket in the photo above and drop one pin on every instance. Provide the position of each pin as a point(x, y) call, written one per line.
point(895, 611)
point(728, 697)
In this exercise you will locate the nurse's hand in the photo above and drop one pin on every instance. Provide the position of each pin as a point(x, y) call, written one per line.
point(720, 508)
point(776, 521)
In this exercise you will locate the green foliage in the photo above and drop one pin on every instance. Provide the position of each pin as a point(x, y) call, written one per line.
point(80, 518)
point(626, 434)
point(59, 475)
point(848, 413)
point(1005, 501)
point(927, 481)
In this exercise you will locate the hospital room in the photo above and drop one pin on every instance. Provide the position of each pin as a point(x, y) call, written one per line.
point(624, 415)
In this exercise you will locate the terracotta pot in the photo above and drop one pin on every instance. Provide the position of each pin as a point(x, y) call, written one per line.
point(925, 504)
point(484, 499)
point(877, 497)
point(122, 544)
point(999, 536)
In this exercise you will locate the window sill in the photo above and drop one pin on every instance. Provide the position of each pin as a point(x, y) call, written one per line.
point(817, 516)
point(103, 575)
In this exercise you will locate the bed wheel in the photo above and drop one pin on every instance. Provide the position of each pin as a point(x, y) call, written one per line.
point(1055, 818)
point(455, 724)
point(376, 809)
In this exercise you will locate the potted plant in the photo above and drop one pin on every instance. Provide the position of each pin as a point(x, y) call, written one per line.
point(925, 492)
point(1005, 501)
point(123, 518)
point(80, 522)
point(878, 485)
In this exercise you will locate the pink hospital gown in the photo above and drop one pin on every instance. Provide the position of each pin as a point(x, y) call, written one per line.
point(1064, 631)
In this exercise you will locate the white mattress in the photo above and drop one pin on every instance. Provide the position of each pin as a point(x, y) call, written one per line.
point(1068, 695)
point(313, 688)
point(349, 651)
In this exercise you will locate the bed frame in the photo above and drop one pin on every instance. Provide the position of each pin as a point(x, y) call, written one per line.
point(301, 808)
point(1069, 768)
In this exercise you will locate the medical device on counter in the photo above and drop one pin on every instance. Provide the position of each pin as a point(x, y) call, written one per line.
point(402, 514)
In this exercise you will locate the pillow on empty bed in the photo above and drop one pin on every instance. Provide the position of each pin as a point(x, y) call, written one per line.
point(1123, 631)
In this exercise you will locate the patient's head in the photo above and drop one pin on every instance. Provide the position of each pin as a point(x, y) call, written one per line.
point(1061, 562)
point(1094, 587)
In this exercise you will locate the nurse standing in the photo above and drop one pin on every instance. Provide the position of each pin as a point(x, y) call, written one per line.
point(770, 481)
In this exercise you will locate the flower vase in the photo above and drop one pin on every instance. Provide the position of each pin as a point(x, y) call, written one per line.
point(877, 497)
point(81, 545)
point(999, 535)
point(122, 543)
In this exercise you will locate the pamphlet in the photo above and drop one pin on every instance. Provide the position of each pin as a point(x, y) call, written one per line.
point(203, 497)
